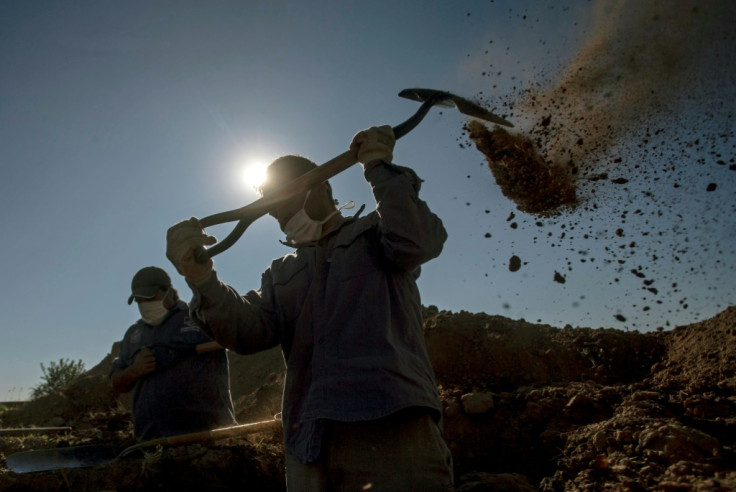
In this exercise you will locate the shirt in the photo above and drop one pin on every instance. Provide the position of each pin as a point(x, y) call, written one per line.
point(188, 392)
point(347, 313)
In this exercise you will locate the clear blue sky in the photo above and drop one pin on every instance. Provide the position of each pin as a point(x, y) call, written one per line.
point(119, 119)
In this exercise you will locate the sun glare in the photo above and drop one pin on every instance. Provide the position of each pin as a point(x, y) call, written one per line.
point(254, 174)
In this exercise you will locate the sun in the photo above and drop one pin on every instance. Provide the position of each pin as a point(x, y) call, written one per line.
point(254, 174)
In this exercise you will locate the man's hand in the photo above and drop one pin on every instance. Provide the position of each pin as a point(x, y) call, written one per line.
point(374, 143)
point(144, 363)
point(182, 241)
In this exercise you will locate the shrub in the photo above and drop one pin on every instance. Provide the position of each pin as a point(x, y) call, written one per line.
point(56, 376)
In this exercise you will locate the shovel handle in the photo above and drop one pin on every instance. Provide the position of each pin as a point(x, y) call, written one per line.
point(24, 431)
point(250, 213)
point(205, 436)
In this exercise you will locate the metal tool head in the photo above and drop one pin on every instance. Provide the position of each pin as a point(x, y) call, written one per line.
point(449, 100)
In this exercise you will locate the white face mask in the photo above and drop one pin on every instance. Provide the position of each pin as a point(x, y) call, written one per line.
point(153, 312)
point(302, 229)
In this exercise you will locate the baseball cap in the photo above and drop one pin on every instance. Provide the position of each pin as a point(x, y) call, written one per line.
point(148, 281)
point(285, 169)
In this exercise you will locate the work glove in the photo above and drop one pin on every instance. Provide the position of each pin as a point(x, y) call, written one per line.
point(374, 143)
point(182, 241)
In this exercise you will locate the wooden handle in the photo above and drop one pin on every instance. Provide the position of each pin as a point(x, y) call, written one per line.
point(204, 436)
point(208, 347)
point(250, 213)
point(264, 204)
point(33, 430)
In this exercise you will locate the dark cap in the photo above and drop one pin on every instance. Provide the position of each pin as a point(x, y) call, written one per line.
point(147, 282)
point(285, 169)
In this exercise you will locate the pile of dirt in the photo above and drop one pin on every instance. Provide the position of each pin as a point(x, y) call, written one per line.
point(526, 407)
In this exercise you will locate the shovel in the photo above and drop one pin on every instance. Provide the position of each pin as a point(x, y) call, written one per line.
point(24, 431)
point(248, 214)
point(92, 455)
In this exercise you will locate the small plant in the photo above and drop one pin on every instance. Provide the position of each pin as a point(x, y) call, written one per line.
point(56, 376)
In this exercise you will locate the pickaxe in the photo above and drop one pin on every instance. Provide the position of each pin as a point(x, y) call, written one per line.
point(248, 214)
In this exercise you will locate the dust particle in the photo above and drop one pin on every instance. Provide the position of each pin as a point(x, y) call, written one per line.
point(514, 264)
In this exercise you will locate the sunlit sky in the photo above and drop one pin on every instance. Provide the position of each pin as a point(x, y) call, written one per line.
point(119, 119)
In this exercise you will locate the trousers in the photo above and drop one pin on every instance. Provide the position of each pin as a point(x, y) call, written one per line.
point(402, 452)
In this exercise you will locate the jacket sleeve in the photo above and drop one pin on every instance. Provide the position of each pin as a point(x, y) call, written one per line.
point(411, 234)
point(121, 362)
point(244, 324)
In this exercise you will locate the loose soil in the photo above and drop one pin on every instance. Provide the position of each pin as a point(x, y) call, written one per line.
point(533, 184)
point(526, 407)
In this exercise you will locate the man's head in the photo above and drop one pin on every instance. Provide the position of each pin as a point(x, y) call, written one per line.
point(285, 169)
point(148, 284)
point(318, 205)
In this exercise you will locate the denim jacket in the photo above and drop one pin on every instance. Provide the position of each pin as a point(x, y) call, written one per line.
point(346, 312)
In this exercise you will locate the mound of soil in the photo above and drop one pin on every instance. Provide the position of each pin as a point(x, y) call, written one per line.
point(526, 407)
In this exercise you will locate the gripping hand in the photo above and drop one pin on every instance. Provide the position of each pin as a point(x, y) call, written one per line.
point(182, 241)
point(374, 143)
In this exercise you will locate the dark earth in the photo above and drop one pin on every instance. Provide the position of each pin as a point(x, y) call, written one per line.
point(527, 407)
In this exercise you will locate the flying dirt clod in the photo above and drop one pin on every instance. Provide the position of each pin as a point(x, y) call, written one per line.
point(535, 186)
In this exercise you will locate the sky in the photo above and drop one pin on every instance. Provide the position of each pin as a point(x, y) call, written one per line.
point(119, 119)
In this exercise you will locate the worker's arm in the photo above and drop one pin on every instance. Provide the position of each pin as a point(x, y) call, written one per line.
point(143, 364)
point(411, 233)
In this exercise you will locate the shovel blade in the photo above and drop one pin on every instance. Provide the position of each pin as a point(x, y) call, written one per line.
point(451, 100)
point(55, 458)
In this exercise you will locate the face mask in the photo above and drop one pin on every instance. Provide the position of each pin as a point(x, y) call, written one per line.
point(301, 228)
point(153, 312)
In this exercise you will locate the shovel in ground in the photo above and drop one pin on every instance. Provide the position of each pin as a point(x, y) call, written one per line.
point(248, 214)
point(92, 455)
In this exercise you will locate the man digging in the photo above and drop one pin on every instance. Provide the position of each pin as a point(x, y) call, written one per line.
point(361, 409)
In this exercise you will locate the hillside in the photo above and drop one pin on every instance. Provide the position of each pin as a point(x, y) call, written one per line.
point(527, 407)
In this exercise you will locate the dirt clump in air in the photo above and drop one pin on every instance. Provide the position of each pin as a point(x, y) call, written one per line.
point(526, 407)
point(524, 177)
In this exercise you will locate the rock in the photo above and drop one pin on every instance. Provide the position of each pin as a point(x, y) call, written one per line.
point(452, 409)
point(477, 403)
point(675, 442)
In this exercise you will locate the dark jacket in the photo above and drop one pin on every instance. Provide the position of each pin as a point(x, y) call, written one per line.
point(187, 392)
point(347, 313)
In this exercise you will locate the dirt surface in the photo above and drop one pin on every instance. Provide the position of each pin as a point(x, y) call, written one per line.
point(527, 407)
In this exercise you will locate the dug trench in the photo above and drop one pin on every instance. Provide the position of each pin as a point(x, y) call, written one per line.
point(526, 407)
